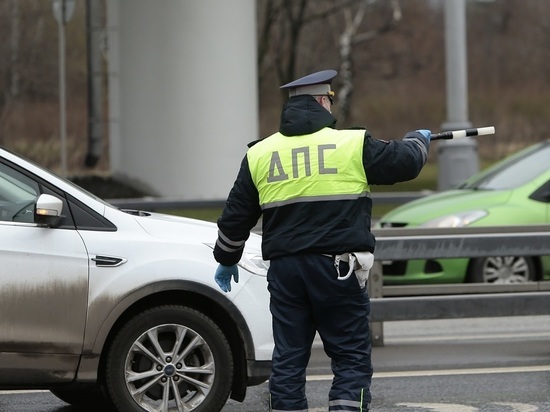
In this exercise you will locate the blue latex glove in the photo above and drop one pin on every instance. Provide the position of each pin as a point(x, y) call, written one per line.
point(223, 276)
point(426, 133)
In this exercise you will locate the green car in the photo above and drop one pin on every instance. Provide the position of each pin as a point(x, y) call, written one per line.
point(515, 191)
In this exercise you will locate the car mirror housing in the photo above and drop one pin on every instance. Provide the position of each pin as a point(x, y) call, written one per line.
point(48, 210)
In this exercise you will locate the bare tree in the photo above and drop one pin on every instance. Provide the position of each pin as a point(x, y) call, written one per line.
point(282, 24)
point(267, 18)
point(350, 38)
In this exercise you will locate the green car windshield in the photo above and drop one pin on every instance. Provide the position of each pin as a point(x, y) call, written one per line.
point(515, 172)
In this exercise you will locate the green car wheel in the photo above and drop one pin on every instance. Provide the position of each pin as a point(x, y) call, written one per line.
point(502, 269)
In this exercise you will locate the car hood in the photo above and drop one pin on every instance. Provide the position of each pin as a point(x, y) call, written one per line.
point(442, 204)
point(176, 228)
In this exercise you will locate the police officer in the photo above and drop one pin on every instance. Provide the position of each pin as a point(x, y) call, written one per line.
point(310, 182)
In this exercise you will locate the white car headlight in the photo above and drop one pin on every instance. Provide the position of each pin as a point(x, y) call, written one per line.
point(456, 219)
point(253, 262)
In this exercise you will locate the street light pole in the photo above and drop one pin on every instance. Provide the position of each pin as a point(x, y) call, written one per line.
point(457, 159)
point(63, 11)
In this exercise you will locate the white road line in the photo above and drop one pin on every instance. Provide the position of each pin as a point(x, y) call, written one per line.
point(18, 392)
point(518, 407)
point(450, 407)
point(443, 372)
point(440, 407)
point(441, 339)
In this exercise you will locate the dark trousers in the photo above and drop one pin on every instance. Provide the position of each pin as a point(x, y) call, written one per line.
point(306, 297)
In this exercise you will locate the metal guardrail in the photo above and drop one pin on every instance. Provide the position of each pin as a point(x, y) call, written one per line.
point(153, 204)
point(392, 303)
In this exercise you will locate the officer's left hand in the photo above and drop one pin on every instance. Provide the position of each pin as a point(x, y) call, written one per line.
point(426, 133)
point(223, 276)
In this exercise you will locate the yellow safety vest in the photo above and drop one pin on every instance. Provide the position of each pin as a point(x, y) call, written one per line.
point(325, 165)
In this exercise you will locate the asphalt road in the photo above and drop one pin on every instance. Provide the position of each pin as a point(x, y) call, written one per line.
point(464, 365)
point(459, 365)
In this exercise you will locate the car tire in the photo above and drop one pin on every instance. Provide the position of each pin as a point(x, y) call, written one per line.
point(169, 354)
point(86, 397)
point(502, 269)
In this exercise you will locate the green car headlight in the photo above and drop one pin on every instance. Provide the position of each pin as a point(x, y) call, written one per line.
point(456, 219)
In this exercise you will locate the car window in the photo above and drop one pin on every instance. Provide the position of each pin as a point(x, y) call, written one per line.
point(18, 194)
point(516, 173)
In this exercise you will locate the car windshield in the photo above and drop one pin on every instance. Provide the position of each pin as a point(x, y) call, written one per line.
point(515, 172)
point(69, 182)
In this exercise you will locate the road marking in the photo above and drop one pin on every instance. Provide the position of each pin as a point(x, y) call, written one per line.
point(518, 407)
point(440, 407)
point(444, 372)
point(437, 407)
point(450, 407)
point(443, 339)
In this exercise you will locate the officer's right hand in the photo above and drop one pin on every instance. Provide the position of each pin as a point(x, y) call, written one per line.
point(426, 133)
point(223, 276)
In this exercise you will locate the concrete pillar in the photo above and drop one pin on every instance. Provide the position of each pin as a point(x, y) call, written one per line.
point(182, 93)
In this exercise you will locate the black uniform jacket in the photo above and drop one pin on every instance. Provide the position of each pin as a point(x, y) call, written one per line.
point(330, 227)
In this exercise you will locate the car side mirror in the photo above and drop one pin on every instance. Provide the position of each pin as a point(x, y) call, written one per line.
point(48, 210)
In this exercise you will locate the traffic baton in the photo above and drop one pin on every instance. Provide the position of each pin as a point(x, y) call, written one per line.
point(480, 131)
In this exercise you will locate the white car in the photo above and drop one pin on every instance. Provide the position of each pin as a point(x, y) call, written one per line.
point(119, 308)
